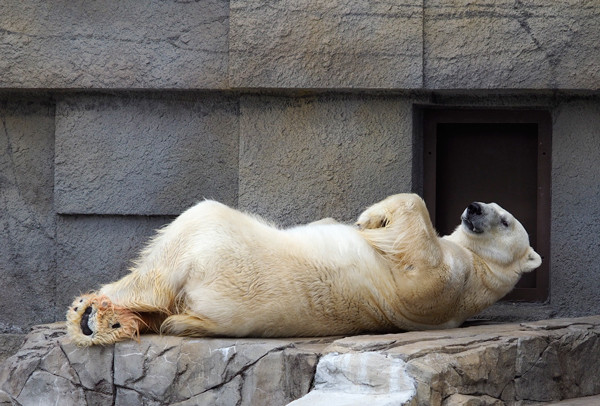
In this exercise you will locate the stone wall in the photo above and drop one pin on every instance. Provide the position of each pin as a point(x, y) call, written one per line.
point(316, 44)
point(116, 117)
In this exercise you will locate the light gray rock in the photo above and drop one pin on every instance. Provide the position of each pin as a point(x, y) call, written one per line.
point(353, 151)
point(508, 44)
point(144, 156)
point(160, 370)
point(467, 400)
point(359, 379)
point(27, 217)
point(323, 44)
point(50, 389)
point(9, 344)
point(107, 45)
point(488, 365)
point(493, 363)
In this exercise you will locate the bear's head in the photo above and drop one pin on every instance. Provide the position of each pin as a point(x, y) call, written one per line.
point(497, 237)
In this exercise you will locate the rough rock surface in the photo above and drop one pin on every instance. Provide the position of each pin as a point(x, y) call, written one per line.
point(324, 44)
point(527, 44)
point(153, 45)
point(9, 345)
point(317, 44)
point(508, 364)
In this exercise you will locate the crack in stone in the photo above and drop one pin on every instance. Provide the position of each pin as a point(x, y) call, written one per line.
point(143, 395)
point(112, 377)
point(69, 363)
point(457, 348)
point(537, 360)
point(242, 370)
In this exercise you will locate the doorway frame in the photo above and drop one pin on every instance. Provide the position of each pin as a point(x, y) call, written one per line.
point(432, 116)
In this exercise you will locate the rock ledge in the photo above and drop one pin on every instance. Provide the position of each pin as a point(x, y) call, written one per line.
point(508, 364)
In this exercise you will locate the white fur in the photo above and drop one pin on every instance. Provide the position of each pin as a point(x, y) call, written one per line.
point(218, 271)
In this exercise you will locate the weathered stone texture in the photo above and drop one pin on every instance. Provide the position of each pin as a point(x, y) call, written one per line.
point(216, 44)
point(575, 276)
point(144, 156)
point(324, 44)
point(9, 344)
point(494, 365)
point(160, 370)
point(94, 250)
point(127, 44)
point(529, 44)
point(27, 218)
point(353, 151)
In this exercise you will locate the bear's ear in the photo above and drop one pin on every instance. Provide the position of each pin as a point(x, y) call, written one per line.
point(530, 261)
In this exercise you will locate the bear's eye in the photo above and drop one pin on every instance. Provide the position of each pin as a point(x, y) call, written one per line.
point(116, 325)
point(504, 222)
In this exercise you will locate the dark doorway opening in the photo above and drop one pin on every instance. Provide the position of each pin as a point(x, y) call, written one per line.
point(500, 156)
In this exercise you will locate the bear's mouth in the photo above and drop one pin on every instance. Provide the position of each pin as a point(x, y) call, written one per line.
point(84, 323)
point(470, 226)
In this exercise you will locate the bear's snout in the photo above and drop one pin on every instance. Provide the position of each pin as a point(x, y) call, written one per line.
point(474, 209)
point(473, 218)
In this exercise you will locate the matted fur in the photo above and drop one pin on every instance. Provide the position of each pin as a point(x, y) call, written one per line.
point(215, 271)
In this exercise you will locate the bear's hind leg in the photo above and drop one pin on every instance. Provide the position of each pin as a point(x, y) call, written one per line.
point(188, 325)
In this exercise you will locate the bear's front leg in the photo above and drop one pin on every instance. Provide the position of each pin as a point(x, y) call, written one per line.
point(93, 319)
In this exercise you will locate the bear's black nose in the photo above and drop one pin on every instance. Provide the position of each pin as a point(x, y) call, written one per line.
point(474, 209)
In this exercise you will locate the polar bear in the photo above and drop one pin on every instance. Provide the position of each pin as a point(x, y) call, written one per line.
point(215, 271)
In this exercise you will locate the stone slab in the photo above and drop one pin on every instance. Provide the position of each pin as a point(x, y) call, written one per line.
point(511, 364)
point(107, 45)
point(349, 379)
point(324, 44)
point(528, 44)
point(94, 250)
point(144, 155)
point(161, 370)
point(585, 401)
point(575, 256)
point(9, 344)
point(353, 151)
point(27, 218)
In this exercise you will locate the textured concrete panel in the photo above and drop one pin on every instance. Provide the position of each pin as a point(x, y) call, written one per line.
point(144, 156)
point(27, 220)
point(575, 277)
point(330, 156)
point(324, 44)
point(107, 44)
point(94, 250)
point(512, 44)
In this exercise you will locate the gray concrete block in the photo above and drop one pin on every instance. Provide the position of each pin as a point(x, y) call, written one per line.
point(144, 156)
point(529, 44)
point(575, 276)
point(107, 44)
point(27, 219)
point(330, 156)
point(323, 44)
point(95, 250)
